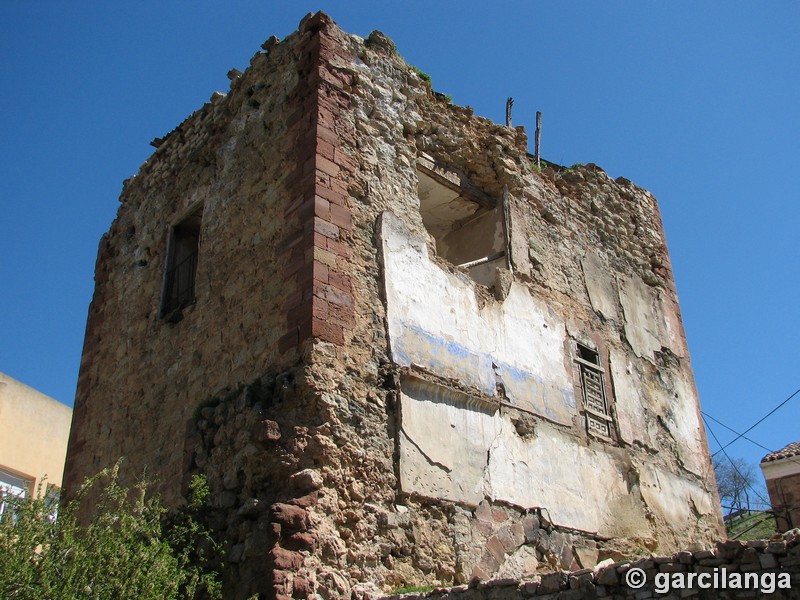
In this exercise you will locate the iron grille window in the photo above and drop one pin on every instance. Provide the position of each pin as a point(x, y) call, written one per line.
point(179, 279)
point(598, 420)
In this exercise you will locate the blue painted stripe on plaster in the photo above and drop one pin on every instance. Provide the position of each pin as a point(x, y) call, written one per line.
point(448, 358)
point(444, 357)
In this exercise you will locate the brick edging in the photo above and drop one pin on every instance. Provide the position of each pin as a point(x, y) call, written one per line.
point(317, 255)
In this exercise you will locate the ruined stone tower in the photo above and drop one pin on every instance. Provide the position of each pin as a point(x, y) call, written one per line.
point(399, 353)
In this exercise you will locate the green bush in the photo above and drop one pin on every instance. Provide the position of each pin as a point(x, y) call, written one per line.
point(126, 549)
point(422, 74)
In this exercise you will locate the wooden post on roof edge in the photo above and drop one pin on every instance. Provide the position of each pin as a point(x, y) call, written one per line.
point(538, 140)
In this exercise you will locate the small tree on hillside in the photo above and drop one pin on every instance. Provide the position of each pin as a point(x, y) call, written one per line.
point(736, 481)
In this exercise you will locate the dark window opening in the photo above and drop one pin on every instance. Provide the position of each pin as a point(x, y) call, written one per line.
point(179, 278)
point(467, 226)
point(595, 403)
point(588, 355)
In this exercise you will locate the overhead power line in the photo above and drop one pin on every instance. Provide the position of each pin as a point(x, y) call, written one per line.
point(754, 425)
point(740, 435)
point(735, 468)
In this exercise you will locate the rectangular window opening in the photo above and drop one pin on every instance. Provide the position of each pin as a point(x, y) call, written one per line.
point(595, 404)
point(12, 487)
point(466, 226)
point(179, 279)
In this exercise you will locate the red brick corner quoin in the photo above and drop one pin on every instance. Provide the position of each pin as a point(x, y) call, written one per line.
point(315, 257)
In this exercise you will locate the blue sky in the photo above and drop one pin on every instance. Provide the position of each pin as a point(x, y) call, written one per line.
point(695, 101)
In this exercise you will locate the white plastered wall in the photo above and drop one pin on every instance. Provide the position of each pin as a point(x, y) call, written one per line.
point(452, 448)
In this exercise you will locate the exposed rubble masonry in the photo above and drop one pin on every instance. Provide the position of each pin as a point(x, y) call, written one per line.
point(398, 352)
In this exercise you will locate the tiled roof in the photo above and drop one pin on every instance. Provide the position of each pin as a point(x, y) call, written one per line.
point(792, 449)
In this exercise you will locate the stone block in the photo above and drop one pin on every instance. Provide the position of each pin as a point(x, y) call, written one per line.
point(552, 583)
point(643, 563)
point(607, 576)
point(327, 331)
point(712, 562)
point(499, 515)
point(319, 272)
point(305, 501)
point(340, 281)
point(586, 556)
point(483, 512)
point(501, 582)
point(230, 480)
point(300, 541)
point(301, 587)
point(345, 317)
point(288, 516)
point(776, 547)
point(582, 579)
point(334, 197)
point(496, 549)
point(285, 559)
point(530, 524)
point(326, 166)
point(730, 549)
point(479, 573)
point(341, 217)
point(307, 479)
point(338, 250)
point(750, 555)
point(511, 537)
point(326, 228)
point(266, 431)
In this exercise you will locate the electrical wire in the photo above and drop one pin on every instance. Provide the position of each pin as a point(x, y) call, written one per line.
point(735, 468)
point(741, 436)
point(761, 420)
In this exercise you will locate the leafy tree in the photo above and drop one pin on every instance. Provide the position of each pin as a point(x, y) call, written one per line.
point(126, 550)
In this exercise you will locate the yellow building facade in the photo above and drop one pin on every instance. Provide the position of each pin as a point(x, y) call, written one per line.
point(34, 430)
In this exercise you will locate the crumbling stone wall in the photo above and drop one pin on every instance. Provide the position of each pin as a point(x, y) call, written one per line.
point(774, 563)
point(563, 224)
point(283, 383)
point(141, 376)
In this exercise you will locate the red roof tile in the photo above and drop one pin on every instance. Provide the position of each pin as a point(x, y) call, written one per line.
point(792, 449)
